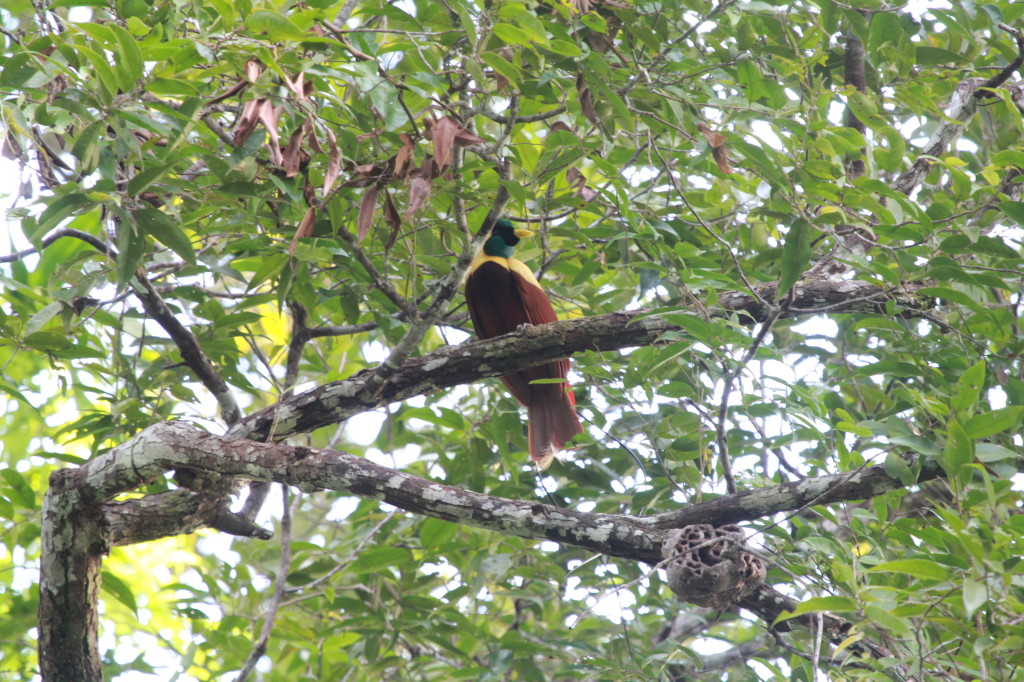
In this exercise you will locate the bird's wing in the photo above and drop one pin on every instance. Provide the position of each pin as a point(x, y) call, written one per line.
point(496, 308)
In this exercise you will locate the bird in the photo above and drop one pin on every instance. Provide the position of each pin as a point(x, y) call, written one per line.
point(503, 296)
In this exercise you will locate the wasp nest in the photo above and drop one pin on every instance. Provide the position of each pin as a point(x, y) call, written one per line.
point(709, 566)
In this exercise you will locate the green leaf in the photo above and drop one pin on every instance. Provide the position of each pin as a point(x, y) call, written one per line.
point(958, 452)
point(565, 48)
point(975, 596)
point(158, 224)
point(57, 211)
point(993, 452)
point(1013, 209)
point(119, 590)
point(106, 77)
point(816, 604)
point(990, 423)
point(130, 63)
point(595, 22)
point(434, 532)
point(10, 389)
point(6, 509)
point(529, 23)
point(887, 620)
point(504, 67)
point(22, 70)
point(131, 247)
point(511, 35)
point(49, 341)
point(87, 147)
point(923, 569)
point(42, 318)
point(920, 444)
point(276, 26)
point(796, 255)
point(927, 55)
point(18, 489)
point(951, 295)
point(375, 560)
point(968, 388)
point(898, 468)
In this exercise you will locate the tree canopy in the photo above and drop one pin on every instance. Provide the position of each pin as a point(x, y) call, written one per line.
point(246, 433)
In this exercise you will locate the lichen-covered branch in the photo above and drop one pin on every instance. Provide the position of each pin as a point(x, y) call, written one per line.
point(454, 365)
point(180, 446)
point(177, 445)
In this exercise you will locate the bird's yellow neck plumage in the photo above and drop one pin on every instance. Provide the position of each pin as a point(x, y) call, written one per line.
point(512, 264)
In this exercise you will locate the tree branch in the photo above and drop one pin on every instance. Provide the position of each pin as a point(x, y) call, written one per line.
point(188, 346)
point(454, 365)
point(180, 446)
point(89, 239)
point(760, 502)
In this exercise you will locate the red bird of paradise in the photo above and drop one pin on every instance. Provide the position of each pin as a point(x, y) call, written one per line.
point(503, 296)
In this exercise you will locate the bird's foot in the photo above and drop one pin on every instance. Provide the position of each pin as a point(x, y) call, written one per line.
point(523, 327)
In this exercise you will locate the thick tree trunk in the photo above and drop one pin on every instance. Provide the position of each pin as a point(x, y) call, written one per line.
point(72, 553)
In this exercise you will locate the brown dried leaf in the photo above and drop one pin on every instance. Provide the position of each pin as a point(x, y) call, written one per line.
point(718, 149)
point(444, 137)
point(428, 127)
point(247, 121)
point(238, 87)
point(427, 168)
point(714, 139)
point(304, 230)
point(721, 156)
point(419, 192)
point(367, 207)
point(586, 99)
point(464, 138)
point(403, 156)
point(314, 141)
point(270, 116)
point(576, 180)
point(562, 125)
point(392, 218)
point(253, 69)
point(364, 176)
point(293, 152)
point(297, 86)
point(333, 163)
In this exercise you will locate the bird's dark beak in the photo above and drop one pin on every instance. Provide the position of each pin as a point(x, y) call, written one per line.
point(523, 234)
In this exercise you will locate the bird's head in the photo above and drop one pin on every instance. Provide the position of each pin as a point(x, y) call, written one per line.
point(503, 239)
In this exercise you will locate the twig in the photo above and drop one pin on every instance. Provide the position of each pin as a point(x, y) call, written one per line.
point(707, 228)
point(89, 239)
point(378, 279)
point(723, 408)
point(188, 346)
point(344, 563)
point(499, 118)
point(284, 566)
point(985, 89)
